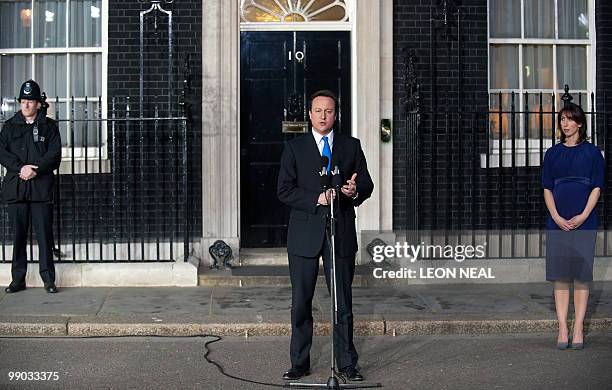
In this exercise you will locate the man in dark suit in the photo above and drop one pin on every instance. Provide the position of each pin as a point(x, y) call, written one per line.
point(299, 186)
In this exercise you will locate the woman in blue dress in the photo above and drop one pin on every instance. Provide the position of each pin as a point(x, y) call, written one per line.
point(572, 177)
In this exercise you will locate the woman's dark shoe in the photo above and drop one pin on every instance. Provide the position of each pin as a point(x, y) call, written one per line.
point(563, 345)
point(578, 345)
point(15, 287)
point(295, 373)
point(50, 288)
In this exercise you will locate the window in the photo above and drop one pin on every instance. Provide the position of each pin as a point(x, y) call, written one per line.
point(537, 46)
point(61, 45)
point(291, 12)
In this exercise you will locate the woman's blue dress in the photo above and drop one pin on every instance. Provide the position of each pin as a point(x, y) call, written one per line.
point(571, 173)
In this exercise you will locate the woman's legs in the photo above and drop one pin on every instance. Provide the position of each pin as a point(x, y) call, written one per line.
point(561, 292)
point(581, 300)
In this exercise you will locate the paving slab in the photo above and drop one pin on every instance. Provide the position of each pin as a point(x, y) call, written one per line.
point(256, 300)
point(463, 299)
point(146, 300)
point(74, 301)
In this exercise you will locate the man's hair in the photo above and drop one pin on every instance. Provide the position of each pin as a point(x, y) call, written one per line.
point(326, 93)
point(575, 113)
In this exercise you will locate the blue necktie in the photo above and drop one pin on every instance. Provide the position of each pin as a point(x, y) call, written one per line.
point(327, 152)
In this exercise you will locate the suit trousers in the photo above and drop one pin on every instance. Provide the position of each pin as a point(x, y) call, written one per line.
point(42, 222)
point(304, 272)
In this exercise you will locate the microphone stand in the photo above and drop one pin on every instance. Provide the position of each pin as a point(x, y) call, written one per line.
point(333, 382)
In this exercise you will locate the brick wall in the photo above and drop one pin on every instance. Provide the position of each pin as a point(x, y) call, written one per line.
point(454, 192)
point(148, 192)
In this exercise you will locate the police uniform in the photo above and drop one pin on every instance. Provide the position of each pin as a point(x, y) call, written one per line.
point(35, 144)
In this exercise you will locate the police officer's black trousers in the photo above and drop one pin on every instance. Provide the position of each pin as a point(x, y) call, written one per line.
point(42, 222)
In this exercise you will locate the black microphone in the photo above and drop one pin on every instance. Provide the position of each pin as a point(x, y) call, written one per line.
point(325, 179)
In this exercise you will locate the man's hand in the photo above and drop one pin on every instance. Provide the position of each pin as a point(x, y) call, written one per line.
point(350, 188)
point(27, 172)
point(326, 197)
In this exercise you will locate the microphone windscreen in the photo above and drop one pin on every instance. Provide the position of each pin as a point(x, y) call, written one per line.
point(336, 178)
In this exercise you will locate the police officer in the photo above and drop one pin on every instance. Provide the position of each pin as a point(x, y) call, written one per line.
point(30, 150)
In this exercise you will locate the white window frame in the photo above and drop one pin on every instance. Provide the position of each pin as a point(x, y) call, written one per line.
point(534, 143)
point(79, 152)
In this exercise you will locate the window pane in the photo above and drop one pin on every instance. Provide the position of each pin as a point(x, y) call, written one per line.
point(57, 111)
point(580, 98)
point(505, 18)
point(540, 19)
point(15, 24)
point(8, 109)
point(51, 74)
point(504, 66)
point(86, 131)
point(86, 75)
point(537, 67)
point(85, 23)
point(503, 123)
point(50, 23)
point(573, 19)
point(293, 10)
point(571, 67)
point(15, 70)
point(540, 118)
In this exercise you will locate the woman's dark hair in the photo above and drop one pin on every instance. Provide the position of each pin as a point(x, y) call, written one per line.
point(326, 93)
point(575, 113)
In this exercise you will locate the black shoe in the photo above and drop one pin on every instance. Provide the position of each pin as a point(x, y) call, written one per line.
point(14, 287)
point(50, 288)
point(352, 374)
point(295, 373)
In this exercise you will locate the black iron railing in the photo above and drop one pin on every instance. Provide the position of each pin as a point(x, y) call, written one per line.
point(475, 174)
point(123, 188)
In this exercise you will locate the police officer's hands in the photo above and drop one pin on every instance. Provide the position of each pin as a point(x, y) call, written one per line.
point(27, 172)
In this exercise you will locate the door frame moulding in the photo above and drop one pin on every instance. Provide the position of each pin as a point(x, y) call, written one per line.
point(221, 93)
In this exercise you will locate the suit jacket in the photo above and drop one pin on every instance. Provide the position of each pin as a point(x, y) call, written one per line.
point(299, 186)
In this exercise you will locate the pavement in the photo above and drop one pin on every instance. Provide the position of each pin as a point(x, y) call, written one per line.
point(265, 311)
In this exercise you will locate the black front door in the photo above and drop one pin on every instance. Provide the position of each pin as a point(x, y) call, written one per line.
point(279, 71)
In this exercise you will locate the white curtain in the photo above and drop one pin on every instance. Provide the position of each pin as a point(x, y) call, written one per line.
point(51, 74)
point(571, 66)
point(505, 18)
point(49, 23)
point(573, 19)
point(504, 66)
point(539, 19)
point(538, 67)
point(15, 70)
point(85, 23)
point(14, 32)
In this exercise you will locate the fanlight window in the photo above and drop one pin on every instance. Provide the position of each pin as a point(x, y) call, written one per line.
point(291, 11)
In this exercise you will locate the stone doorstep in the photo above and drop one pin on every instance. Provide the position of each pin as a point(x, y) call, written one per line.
point(265, 275)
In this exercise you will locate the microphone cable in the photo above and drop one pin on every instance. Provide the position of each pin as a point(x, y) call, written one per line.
point(206, 347)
